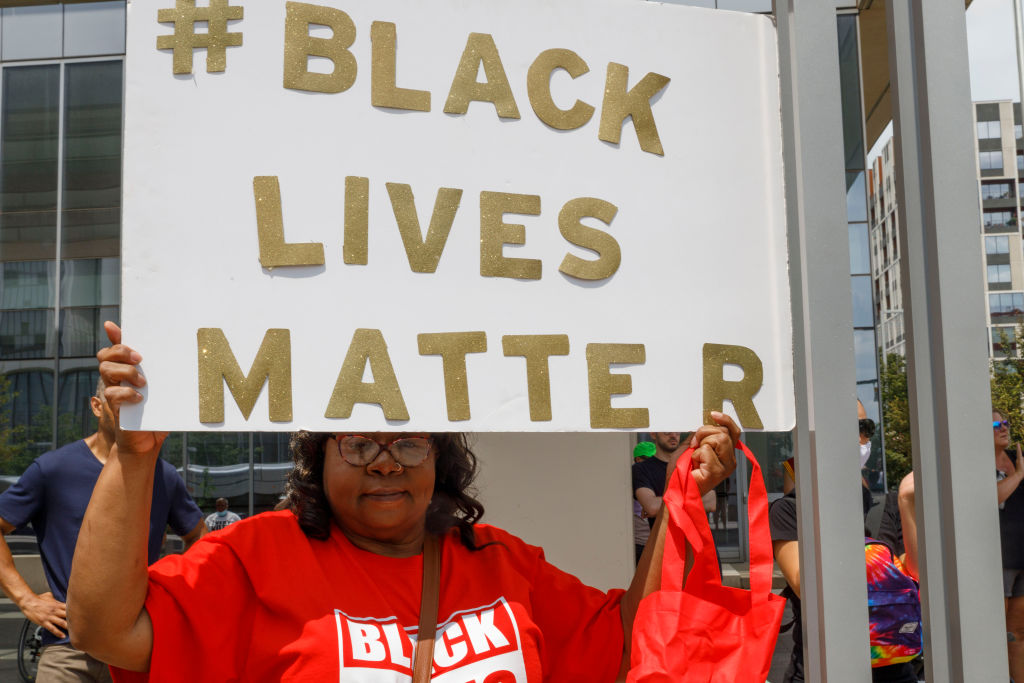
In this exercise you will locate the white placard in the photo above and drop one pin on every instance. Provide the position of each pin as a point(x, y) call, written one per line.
point(700, 228)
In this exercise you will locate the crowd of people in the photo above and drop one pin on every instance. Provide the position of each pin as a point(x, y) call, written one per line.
point(362, 506)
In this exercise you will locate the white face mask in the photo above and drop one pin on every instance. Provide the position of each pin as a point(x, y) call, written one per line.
point(865, 452)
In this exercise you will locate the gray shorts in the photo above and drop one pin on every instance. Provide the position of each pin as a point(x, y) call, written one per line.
point(65, 664)
point(1013, 583)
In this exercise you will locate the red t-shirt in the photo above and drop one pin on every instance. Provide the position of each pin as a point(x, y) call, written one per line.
point(260, 601)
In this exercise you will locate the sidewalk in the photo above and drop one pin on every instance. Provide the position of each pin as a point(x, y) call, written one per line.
point(737, 575)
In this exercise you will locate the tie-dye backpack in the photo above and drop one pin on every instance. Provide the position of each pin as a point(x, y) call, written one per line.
point(894, 607)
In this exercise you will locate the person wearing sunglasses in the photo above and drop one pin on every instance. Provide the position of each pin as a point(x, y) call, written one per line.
point(1010, 495)
point(332, 588)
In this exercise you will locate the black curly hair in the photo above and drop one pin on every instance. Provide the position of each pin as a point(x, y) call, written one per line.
point(451, 506)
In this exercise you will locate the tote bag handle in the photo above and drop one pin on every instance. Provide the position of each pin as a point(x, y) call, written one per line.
point(688, 523)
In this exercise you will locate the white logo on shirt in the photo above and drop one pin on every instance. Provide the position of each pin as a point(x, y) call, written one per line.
point(479, 645)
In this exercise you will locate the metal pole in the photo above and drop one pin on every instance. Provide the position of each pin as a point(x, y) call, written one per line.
point(830, 519)
point(1018, 35)
point(947, 368)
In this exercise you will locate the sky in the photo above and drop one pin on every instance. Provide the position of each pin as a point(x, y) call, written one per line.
point(992, 54)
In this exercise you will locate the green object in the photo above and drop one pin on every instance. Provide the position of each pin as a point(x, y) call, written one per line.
point(644, 449)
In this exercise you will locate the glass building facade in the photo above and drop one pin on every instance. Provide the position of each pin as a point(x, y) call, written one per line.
point(61, 80)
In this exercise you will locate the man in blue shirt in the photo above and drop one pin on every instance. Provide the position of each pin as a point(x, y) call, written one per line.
point(52, 494)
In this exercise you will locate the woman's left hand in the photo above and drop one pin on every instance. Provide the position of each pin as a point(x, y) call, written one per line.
point(714, 455)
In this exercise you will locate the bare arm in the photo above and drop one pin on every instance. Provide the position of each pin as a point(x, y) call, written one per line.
point(1006, 487)
point(41, 609)
point(909, 521)
point(107, 590)
point(649, 501)
point(710, 501)
point(716, 460)
point(787, 556)
point(198, 531)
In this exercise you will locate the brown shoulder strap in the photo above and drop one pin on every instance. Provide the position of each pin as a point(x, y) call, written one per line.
point(423, 655)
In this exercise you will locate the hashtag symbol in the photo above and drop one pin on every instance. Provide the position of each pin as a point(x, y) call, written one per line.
point(216, 40)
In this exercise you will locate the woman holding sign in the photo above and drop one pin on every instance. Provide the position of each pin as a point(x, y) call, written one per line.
point(336, 586)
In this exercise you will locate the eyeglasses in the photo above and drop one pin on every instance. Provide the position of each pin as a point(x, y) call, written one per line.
point(996, 424)
point(358, 450)
point(867, 427)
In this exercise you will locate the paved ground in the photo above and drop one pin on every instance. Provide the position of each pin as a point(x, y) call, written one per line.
point(10, 626)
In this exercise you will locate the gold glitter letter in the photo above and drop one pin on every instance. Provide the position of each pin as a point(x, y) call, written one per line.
point(357, 217)
point(636, 103)
point(299, 46)
point(538, 85)
point(383, 91)
point(537, 348)
point(217, 364)
point(453, 347)
point(603, 383)
point(350, 389)
point(423, 252)
point(480, 49)
point(741, 392)
point(495, 233)
point(608, 252)
point(274, 251)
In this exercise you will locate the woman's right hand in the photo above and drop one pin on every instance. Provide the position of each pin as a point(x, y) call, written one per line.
point(119, 363)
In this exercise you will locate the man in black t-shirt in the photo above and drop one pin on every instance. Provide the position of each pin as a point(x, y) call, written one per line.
point(650, 476)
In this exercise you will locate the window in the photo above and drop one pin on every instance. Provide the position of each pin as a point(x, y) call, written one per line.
point(999, 244)
point(1017, 131)
point(1003, 340)
point(1005, 305)
point(996, 191)
point(998, 274)
point(991, 160)
point(1020, 162)
point(994, 220)
point(988, 130)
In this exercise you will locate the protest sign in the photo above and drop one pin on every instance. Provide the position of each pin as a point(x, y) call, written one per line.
point(451, 215)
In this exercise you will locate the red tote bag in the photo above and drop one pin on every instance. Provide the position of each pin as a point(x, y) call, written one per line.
point(705, 632)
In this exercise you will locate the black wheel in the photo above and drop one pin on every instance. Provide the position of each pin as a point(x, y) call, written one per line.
point(30, 640)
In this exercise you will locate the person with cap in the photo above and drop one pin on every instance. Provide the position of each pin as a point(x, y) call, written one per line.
point(641, 529)
point(649, 475)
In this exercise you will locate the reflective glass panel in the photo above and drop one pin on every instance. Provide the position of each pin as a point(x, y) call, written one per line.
point(849, 83)
point(990, 160)
point(32, 32)
point(864, 353)
point(92, 160)
point(28, 162)
point(988, 130)
point(27, 334)
point(90, 282)
point(94, 28)
point(860, 252)
point(218, 467)
point(997, 244)
point(856, 199)
point(81, 330)
point(26, 284)
point(998, 273)
point(76, 387)
point(29, 413)
point(863, 309)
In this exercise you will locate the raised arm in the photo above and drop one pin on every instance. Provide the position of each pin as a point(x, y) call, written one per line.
point(715, 458)
point(107, 590)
